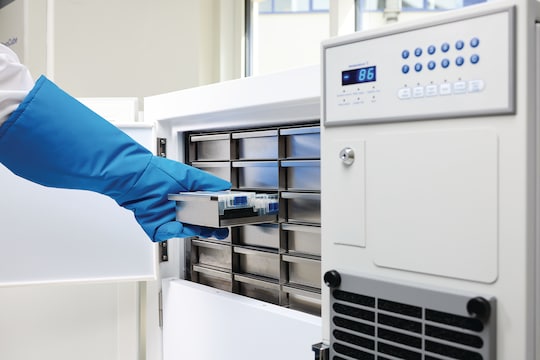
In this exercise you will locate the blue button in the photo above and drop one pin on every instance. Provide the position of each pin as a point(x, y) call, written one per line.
point(475, 59)
point(460, 60)
point(405, 54)
point(431, 49)
point(475, 42)
point(460, 44)
point(431, 65)
point(405, 69)
point(417, 52)
point(445, 63)
point(418, 67)
point(445, 47)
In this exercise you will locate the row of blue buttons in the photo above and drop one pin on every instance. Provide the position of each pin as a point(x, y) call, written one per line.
point(444, 63)
point(445, 47)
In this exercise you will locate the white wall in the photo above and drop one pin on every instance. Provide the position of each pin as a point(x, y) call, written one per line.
point(109, 48)
point(132, 47)
point(290, 40)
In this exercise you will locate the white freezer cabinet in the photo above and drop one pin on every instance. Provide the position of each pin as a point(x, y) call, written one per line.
point(437, 239)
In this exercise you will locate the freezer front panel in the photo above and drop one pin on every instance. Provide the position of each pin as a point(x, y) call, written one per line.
point(429, 135)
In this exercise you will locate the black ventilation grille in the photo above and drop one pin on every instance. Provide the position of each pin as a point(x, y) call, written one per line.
point(390, 321)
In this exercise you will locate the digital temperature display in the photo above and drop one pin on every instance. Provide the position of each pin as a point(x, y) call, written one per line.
point(359, 76)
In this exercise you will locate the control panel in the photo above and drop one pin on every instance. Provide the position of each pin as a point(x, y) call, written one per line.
point(457, 68)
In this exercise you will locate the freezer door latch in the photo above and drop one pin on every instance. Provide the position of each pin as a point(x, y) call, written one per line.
point(322, 351)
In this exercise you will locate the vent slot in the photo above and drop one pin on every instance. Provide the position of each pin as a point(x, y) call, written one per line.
point(451, 351)
point(354, 298)
point(398, 352)
point(413, 311)
point(355, 340)
point(400, 338)
point(454, 320)
point(354, 312)
point(354, 326)
point(454, 336)
point(380, 320)
point(352, 352)
point(403, 324)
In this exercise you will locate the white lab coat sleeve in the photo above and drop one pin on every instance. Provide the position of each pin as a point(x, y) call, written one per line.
point(15, 82)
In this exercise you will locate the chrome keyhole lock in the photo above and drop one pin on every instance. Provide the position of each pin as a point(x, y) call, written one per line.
point(347, 156)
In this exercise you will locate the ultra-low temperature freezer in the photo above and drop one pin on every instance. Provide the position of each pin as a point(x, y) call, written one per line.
point(429, 198)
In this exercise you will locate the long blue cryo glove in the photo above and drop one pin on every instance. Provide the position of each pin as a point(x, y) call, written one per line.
point(54, 140)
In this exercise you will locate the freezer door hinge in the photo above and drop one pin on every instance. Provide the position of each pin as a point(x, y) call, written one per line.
point(163, 251)
point(161, 151)
point(322, 351)
point(160, 308)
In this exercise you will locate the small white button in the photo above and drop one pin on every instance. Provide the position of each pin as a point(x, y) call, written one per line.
point(476, 85)
point(445, 89)
point(404, 93)
point(344, 101)
point(431, 90)
point(460, 87)
point(418, 92)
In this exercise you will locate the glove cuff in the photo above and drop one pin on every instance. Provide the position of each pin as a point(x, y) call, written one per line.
point(54, 140)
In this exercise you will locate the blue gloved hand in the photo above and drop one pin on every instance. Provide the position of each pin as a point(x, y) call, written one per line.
point(54, 140)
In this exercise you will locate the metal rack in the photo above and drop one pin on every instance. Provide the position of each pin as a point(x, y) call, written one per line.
point(277, 262)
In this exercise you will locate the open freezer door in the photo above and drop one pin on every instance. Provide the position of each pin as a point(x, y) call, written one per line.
point(54, 235)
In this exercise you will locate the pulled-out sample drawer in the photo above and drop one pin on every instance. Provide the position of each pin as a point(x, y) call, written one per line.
point(259, 289)
point(219, 209)
point(303, 174)
point(255, 262)
point(303, 239)
point(211, 254)
point(304, 299)
point(303, 271)
point(211, 147)
point(303, 207)
point(263, 235)
point(257, 145)
point(257, 174)
point(221, 169)
point(212, 277)
point(302, 143)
